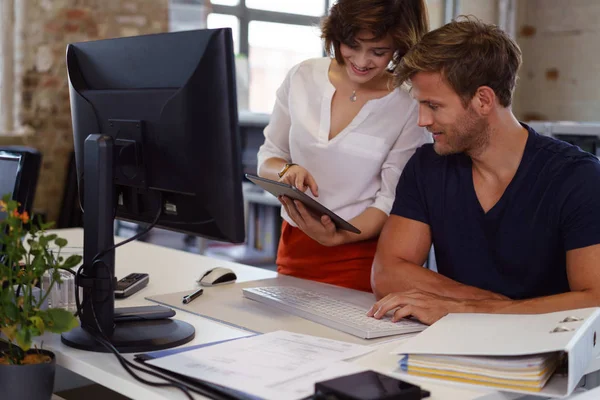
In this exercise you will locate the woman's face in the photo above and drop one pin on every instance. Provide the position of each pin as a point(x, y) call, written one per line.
point(367, 59)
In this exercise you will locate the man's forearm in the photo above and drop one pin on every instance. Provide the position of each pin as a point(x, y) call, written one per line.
point(539, 305)
point(404, 276)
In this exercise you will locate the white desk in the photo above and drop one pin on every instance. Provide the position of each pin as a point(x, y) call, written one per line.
point(174, 271)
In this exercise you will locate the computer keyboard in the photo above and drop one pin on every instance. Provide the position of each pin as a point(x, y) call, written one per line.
point(328, 311)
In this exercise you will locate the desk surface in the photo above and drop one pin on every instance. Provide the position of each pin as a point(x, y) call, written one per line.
point(173, 271)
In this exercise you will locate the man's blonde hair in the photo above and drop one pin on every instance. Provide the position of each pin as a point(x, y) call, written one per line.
point(468, 54)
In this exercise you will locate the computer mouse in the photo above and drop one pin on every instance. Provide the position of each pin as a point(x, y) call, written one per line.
point(217, 276)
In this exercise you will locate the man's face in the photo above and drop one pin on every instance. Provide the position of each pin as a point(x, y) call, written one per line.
point(455, 129)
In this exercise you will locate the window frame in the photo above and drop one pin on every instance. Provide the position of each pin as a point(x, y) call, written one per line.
point(8, 22)
point(245, 15)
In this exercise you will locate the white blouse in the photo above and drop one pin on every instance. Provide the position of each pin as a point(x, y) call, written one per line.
point(360, 166)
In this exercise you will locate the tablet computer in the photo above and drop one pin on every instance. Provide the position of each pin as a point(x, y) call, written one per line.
point(283, 189)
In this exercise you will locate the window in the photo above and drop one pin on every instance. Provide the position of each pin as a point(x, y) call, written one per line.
point(266, 30)
point(7, 48)
point(271, 57)
point(262, 33)
point(315, 8)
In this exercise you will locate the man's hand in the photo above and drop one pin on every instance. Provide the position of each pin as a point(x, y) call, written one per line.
point(426, 307)
point(319, 228)
point(300, 178)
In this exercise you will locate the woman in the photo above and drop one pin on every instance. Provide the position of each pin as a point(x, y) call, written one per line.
point(340, 133)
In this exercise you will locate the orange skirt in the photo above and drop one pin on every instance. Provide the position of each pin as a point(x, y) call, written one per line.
point(347, 265)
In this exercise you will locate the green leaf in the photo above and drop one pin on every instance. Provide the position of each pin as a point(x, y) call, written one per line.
point(38, 323)
point(51, 237)
point(60, 242)
point(24, 338)
point(43, 240)
point(11, 311)
point(72, 261)
point(9, 331)
point(59, 320)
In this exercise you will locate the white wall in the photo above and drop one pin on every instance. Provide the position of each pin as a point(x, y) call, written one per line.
point(560, 76)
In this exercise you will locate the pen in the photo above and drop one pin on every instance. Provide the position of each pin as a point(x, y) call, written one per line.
point(190, 297)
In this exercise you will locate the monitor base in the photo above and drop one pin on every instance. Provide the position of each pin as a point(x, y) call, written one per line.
point(135, 336)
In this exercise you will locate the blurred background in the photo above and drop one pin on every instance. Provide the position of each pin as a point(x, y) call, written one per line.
point(559, 80)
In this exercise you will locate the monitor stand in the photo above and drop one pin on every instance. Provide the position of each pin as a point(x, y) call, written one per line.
point(98, 279)
point(135, 336)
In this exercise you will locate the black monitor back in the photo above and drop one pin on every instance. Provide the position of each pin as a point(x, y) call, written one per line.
point(19, 170)
point(174, 96)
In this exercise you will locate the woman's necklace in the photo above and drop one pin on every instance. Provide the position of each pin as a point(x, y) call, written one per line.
point(353, 96)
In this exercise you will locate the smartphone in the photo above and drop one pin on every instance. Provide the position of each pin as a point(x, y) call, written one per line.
point(368, 385)
point(131, 284)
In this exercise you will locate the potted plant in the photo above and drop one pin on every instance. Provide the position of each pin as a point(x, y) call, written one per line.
point(27, 252)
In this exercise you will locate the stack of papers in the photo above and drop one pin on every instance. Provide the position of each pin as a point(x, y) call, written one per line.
point(279, 365)
point(527, 373)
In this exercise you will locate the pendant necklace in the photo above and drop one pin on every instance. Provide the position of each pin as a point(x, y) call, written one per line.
point(353, 96)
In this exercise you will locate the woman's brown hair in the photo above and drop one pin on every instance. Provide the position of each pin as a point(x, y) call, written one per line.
point(405, 20)
point(468, 54)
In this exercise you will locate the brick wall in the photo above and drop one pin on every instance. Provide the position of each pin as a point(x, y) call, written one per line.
point(42, 88)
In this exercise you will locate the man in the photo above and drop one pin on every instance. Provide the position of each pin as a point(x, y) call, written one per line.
point(514, 216)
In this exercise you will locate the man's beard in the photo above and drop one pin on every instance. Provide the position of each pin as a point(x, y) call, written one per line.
point(470, 135)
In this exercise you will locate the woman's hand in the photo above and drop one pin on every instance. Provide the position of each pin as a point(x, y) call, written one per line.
point(300, 178)
point(319, 228)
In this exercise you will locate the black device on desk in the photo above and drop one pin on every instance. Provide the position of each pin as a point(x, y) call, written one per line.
point(367, 385)
point(131, 284)
point(155, 129)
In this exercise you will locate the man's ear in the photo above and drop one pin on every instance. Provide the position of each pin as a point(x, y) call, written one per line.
point(484, 100)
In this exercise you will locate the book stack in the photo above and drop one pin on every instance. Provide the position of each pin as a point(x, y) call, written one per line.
point(523, 373)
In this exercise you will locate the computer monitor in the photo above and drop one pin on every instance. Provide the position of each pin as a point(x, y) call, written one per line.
point(155, 128)
point(19, 170)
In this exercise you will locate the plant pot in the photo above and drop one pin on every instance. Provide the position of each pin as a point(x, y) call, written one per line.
point(30, 381)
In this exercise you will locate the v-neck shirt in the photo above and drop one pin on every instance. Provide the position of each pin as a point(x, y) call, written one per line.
point(361, 165)
point(518, 247)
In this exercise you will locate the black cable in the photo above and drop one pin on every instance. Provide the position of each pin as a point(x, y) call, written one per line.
point(97, 333)
point(126, 364)
point(136, 236)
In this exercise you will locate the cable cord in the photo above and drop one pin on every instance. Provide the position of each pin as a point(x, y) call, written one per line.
point(99, 335)
point(127, 365)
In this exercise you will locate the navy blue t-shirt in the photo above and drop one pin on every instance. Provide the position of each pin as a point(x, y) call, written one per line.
point(518, 248)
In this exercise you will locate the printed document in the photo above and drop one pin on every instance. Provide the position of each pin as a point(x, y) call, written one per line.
point(277, 365)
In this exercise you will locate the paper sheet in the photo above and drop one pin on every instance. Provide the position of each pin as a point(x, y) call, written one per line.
point(278, 365)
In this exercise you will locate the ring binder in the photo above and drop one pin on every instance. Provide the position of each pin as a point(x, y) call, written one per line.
point(466, 348)
point(561, 329)
point(571, 319)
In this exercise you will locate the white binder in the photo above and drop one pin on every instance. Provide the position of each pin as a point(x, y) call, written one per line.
point(573, 332)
